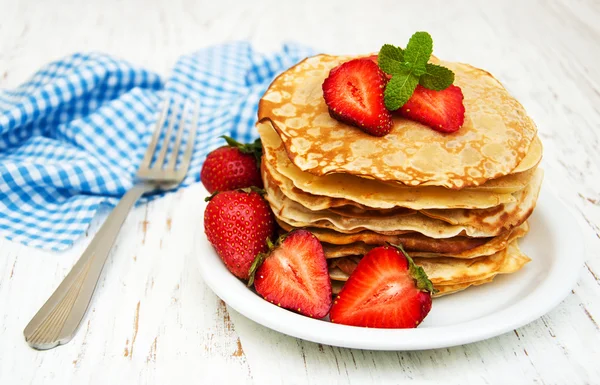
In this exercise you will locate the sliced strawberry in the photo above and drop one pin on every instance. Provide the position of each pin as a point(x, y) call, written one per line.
point(375, 59)
point(294, 275)
point(441, 110)
point(238, 223)
point(354, 94)
point(386, 290)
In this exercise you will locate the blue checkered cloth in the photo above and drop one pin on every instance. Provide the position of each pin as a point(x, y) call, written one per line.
point(72, 137)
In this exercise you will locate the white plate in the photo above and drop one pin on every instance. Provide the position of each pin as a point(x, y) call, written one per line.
point(554, 244)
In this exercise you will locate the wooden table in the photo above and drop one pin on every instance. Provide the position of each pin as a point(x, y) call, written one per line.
point(154, 321)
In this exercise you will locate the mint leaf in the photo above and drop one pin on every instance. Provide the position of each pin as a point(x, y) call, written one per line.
point(410, 67)
point(418, 51)
point(399, 89)
point(390, 59)
point(436, 77)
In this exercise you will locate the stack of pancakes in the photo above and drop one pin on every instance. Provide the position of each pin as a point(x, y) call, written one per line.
point(458, 203)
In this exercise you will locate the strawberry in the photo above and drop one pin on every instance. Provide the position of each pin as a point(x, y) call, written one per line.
point(238, 223)
point(353, 91)
point(233, 166)
point(294, 275)
point(375, 59)
point(386, 290)
point(441, 110)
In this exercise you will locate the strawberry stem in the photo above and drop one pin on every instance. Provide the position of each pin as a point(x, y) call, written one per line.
point(416, 272)
point(260, 257)
point(254, 148)
point(258, 260)
point(211, 196)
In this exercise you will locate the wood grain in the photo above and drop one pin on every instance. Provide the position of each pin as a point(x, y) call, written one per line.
point(154, 321)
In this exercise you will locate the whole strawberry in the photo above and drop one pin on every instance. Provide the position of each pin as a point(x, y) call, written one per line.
point(238, 223)
point(233, 166)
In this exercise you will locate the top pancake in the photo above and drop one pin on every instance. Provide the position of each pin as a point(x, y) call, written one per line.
point(495, 137)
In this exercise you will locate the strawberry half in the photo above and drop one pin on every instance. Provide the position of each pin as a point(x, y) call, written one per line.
point(386, 290)
point(353, 91)
point(238, 223)
point(233, 166)
point(441, 110)
point(294, 275)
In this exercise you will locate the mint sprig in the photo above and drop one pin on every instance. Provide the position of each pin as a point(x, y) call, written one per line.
point(399, 89)
point(436, 77)
point(409, 68)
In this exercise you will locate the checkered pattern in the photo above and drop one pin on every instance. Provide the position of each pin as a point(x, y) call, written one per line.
point(72, 137)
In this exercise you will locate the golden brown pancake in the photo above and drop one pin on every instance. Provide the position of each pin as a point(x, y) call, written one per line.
point(410, 240)
point(477, 222)
point(448, 274)
point(494, 139)
point(421, 246)
point(442, 290)
point(341, 189)
point(295, 214)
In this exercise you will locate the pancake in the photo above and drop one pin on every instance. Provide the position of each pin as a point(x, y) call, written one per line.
point(495, 137)
point(443, 270)
point(357, 212)
point(501, 217)
point(342, 189)
point(451, 289)
point(492, 246)
point(297, 215)
point(410, 240)
point(336, 287)
point(449, 271)
point(491, 222)
point(465, 250)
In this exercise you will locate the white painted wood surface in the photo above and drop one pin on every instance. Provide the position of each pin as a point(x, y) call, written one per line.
point(154, 321)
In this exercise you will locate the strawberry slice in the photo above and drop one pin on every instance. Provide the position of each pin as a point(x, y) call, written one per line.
point(294, 275)
point(354, 94)
point(375, 59)
point(441, 110)
point(386, 290)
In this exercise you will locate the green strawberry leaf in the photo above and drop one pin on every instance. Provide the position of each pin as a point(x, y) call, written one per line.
point(399, 89)
point(255, 189)
point(417, 272)
point(260, 258)
point(211, 196)
point(254, 148)
point(436, 77)
point(420, 276)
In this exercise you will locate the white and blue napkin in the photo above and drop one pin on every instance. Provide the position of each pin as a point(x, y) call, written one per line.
point(72, 137)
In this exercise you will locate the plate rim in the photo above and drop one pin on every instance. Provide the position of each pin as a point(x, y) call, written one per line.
point(226, 286)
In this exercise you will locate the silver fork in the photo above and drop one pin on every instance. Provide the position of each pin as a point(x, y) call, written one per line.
point(58, 319)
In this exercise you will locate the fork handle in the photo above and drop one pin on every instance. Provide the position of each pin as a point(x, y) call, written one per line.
point(57, 320)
